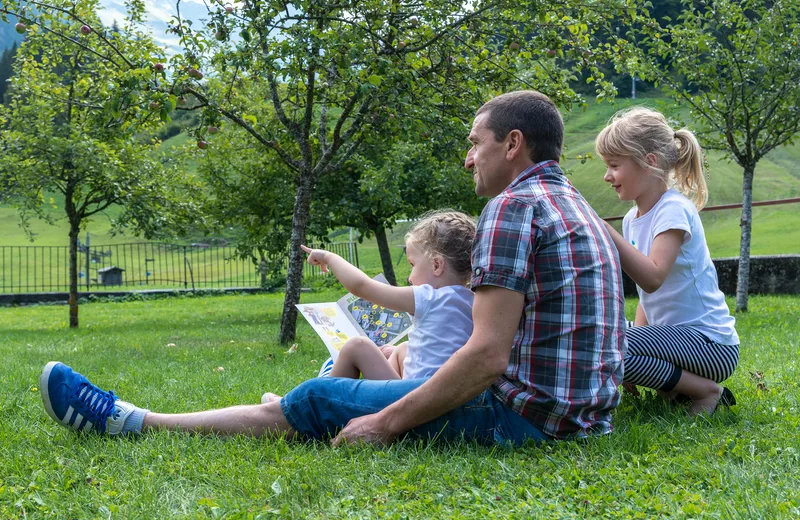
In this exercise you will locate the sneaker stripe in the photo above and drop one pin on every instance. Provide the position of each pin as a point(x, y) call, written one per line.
point(87, 427)
point(77, 422)
point(68, 415)
point(327, 366)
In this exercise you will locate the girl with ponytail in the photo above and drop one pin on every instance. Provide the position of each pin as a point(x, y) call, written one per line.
point(683, 342)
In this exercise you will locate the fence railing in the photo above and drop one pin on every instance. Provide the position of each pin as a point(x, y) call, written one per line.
point(145, 265)
point(728, 206)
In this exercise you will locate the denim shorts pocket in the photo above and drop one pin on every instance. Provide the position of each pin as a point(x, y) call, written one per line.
point(482, 400)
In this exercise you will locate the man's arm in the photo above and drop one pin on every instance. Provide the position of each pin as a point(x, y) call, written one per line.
point(470, 371)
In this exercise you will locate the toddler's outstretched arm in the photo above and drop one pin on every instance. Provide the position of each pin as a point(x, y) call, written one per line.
point(358, 283)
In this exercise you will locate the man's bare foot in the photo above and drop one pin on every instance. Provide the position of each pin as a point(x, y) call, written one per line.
point(269, 397)
point(706, 404)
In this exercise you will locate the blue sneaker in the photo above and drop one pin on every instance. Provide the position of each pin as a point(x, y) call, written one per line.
point(70, 399)
point(327, 366)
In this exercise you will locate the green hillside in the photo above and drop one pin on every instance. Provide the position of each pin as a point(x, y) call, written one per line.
point(776, 229)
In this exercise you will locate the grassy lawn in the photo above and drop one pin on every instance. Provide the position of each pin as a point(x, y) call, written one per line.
point(741, 463)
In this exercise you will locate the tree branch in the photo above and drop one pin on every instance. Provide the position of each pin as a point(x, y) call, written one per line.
point(291, 162)
point(81, 21)
point(348, 152)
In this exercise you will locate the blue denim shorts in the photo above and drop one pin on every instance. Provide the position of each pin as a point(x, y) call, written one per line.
point(320, 407)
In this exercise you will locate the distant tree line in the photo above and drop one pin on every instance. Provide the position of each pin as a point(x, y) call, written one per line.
point(6, 70)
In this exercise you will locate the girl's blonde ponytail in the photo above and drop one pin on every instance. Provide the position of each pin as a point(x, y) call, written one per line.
point(689, 178)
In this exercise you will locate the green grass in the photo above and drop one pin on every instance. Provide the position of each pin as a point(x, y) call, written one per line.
point(741, 463)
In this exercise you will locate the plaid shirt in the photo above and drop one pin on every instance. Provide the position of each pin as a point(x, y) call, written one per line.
point(541, 238)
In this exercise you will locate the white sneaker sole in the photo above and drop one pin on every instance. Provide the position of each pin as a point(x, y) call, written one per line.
point(44, 389)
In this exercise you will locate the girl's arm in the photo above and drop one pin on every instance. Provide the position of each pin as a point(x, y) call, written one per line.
point(649, 272)
point(641, 319)
point(358, 283)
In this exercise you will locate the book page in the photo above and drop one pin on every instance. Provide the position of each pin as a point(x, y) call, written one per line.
point(331, 323)
point(383, 326)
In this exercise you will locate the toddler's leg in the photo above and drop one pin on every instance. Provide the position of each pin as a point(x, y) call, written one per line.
point(398, 357)
point(360, 356)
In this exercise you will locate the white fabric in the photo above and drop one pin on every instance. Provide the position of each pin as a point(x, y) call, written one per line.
point(442, 325)
point(116, 421)
point(690, 295)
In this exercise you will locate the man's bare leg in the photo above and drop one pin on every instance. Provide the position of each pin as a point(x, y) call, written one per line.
point(73, 401)
point(256, 420)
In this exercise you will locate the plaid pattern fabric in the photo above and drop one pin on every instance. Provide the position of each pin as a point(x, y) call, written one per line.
point(541, 238)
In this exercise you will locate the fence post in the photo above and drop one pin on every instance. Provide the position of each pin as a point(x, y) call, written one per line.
point(185, 260)
point(88, 256)
point(350, 248)
point(191, 272)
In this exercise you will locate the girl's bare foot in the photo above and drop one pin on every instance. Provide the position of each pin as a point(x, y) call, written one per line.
point(269, 397)
point(706, 404)
point(668, 396)
point(631, 389)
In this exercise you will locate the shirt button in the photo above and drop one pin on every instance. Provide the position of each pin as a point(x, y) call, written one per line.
point(478, 271)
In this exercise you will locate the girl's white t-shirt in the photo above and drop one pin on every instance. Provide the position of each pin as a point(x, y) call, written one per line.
point(442, 324)
point(690, 295)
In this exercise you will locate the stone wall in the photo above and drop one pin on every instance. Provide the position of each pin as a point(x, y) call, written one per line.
point(776, 274)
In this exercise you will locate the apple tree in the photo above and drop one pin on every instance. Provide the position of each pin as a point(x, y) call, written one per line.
point(337, 72)
point(736, 65)
point(390, 181)
point(332, 73)
point(71, 126)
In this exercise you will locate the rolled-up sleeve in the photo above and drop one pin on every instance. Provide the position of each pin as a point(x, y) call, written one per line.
point(502, 254)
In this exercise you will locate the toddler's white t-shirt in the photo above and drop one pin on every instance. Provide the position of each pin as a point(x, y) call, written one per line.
point(442, 325)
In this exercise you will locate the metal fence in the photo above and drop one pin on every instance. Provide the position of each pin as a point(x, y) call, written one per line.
point(135, 266)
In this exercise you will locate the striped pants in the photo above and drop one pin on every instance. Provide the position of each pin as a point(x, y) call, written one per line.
point(657, 354)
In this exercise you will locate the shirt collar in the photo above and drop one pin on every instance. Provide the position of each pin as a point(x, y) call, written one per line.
point(548, 166)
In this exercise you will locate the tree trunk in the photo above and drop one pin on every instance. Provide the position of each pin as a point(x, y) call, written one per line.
point(73, 274)
point(294, 279)
point(743, 286)
point(386, 254)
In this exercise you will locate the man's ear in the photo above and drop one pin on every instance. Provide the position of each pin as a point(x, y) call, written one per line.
point(438, 264)
point(515, 145)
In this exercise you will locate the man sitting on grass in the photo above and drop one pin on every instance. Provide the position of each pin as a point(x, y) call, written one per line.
point(545, 356)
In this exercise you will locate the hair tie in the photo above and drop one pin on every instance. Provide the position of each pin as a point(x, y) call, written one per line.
point(675, 135)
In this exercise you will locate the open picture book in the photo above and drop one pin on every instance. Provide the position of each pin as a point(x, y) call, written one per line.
point(351, 316)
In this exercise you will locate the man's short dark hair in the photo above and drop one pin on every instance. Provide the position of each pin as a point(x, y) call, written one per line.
point(533, 114)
